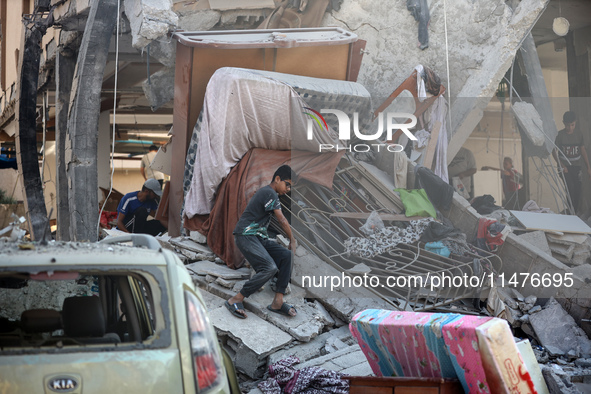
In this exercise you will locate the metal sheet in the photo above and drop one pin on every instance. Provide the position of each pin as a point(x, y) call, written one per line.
point(551, 222)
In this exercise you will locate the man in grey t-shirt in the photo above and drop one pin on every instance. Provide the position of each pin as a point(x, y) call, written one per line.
point(266, 257)
point(570, 143)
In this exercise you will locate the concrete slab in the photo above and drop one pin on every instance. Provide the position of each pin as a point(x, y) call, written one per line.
point(342, 302)
point(212, 301)
point(193, 256)
point(315, 348)
point(307, 324)
point(583, 271)
point(330, 366)
point(323, 315)
point(219, 271)
point(565, 250)
point(558, 331)
point(303, 351)
point(350, 359)
point(256, 339)
point(188, 243)
point(319, 361)
point(226, 283)
point(556, 385)
point(334, 344)
point(568, 238)
point(537, 239)
point(363, 369)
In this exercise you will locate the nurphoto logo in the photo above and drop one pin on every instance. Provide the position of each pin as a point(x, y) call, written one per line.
point(344, 125)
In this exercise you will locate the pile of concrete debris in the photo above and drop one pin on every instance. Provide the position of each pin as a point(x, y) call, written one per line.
point(574, 250)
point(561, 347)
point(320, 336)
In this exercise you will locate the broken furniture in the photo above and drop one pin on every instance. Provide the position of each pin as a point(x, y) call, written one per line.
point(319, 221)
point(386, 385)
point(331, 53)
point(245, 109)
point(410, 85)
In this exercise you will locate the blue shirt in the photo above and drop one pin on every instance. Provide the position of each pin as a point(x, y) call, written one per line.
point(130, 203)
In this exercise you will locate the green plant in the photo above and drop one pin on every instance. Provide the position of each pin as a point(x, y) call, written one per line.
point(4, 199)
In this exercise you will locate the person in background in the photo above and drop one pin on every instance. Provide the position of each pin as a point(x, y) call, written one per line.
point(463, 166)
point(135, 207)
point(512, 181)
point(146, 170)
point(570, 156)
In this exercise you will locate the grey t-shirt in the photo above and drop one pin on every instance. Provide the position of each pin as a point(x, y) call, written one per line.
point(463, 161)
point(256, 217)
point(570, 145)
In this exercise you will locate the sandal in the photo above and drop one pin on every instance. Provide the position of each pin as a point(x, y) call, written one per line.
point(284, 310)
point(235, 308)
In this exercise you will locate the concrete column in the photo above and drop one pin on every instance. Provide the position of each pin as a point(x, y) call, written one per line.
point(65, 63)
point(84, 119)
point(104, 152)
point(26, 136)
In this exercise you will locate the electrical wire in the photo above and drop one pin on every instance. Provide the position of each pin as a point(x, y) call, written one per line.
point(98, 225)
point(447, 62)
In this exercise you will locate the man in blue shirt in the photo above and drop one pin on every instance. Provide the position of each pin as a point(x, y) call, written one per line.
point(266, 257)
point(135, 207)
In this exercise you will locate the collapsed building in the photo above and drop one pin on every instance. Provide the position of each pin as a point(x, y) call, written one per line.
point(324, 216)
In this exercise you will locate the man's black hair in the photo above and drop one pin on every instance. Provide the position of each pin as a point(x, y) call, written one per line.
point(153, 147)
point(285, 172)
point(569, 117)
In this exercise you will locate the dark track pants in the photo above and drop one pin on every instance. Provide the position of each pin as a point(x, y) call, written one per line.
point(267, 258)
point(138, 223)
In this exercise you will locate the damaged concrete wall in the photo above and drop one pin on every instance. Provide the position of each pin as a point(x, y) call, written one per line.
point(482, 39)
point(149, 19)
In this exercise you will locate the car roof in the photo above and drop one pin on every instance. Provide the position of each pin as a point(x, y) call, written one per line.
point(59, 253)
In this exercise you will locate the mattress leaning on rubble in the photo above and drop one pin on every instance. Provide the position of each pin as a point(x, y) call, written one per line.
point(246, 109)
point(477, 350)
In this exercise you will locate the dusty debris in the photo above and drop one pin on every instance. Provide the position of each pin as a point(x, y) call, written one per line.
point(203, 268)
point(537, 239)
point(344, 303)
point(243, 337)
point(149, 20)
point(558, 331)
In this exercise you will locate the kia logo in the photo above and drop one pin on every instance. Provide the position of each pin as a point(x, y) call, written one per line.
point(62, 384)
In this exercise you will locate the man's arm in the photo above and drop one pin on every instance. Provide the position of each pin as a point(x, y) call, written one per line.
point(120, 222)
point(485, 168)
point(584, 153)
point(143, 171)
point(286, 227)
point(467, 173)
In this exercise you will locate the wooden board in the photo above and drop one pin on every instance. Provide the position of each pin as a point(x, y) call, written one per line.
point(383, 216)
point(552, 222)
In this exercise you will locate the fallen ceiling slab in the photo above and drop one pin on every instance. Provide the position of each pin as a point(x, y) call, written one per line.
point(552, 222)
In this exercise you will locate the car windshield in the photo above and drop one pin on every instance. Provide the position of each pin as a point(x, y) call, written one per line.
point(77, 308)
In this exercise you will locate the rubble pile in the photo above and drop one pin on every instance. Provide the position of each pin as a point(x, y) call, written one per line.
point(320, 336)
point(316, 336)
